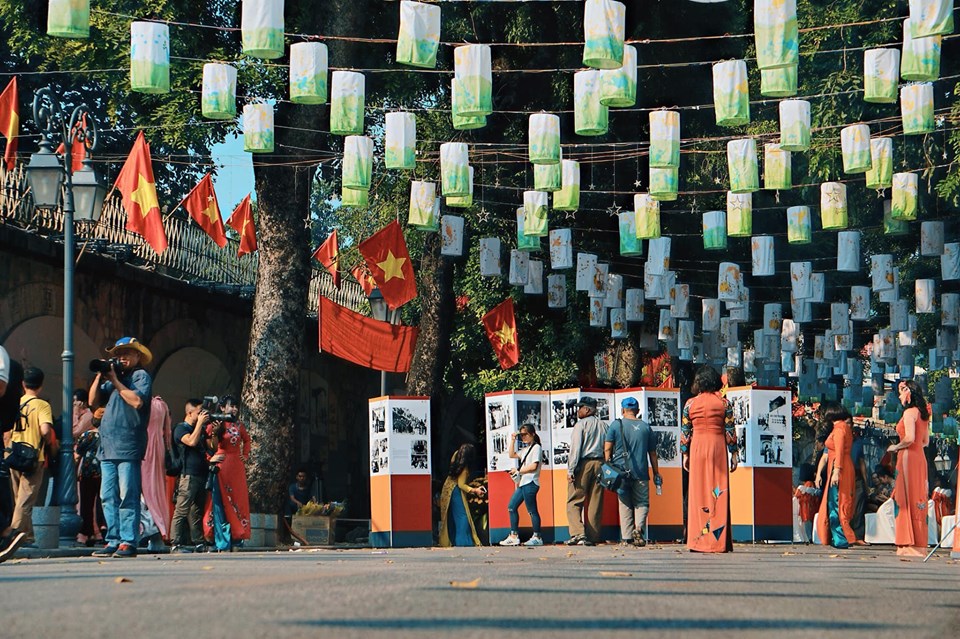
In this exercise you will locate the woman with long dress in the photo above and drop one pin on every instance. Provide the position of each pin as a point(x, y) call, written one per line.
point(230, 492)
point(707, 441)
point(910, 493)
point(456, 524)
point(837, 505)
point(152, 470)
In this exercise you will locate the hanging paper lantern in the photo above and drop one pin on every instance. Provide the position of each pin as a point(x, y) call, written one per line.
point(728, 282)
point(833, 205)
point(890, 225)
point(618, 87)
point(880, 175)
point(892, 292)
point(647, 213)
point(931, 239)
point(742, 164)
point(544, 138)
point(535, 207)
point(762, 254)
point(451, 236)
point(817, 288)
point(614, 291)
point(666, 327)
point(772, 319)
point(468, 123)
point(399, 149)
point(589, 116)
point(801, 287)
point(664, 183)
point(149, 57)
point(630, 244)
point(664, 139)
point(802, 311)
point(586, 269)
point(68, 18)
point(848, 251)
point(347, 99)
point(739, 214)
point(618, 323)
point(519, 268)
point(219, 91)
point(714, 230)
point(950, 261)
point(561, 249)
point(777, 173)
point(789, 332)
point(547, 177)
point(598, 313)
point(916, 108)
point(652, 286)
point(855, 146)
point(658, 260)
point(881, 272)
point(454, 169)
point(950, 309)
point(604, 28)
point(731, 97)
point(419, 34)
point(798, 225)
point(710, 316)
point(633, 304)
point(358, 162)
point(424, 212)
point(556, 291)
point(534, 285)
point(308, 73)
point(920, 60)
point(776, 33)
point(463, 201)
point(685, 334)
point(680, 304)
point(898, 315)
point(904, 205)
point(778, 83)
point(926, 296)
point(931, 17)
point(258, 130)
point(568, 197)
point(472, 93)
point(261, 28)
point(354, 198)
point(881, 71)
point(490, 257)
point(794, 125)
point(525, 242)
point(860, 303)
point(598, 283)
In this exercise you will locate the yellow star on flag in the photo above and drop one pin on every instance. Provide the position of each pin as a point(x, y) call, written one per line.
point(506, 334)
point(145, 195)
point(212, 211)
point(392, 267)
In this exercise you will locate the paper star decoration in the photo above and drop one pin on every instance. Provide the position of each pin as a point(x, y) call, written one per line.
point(637, 183)
point(571, 215)
point(613, 210)
point(483, 215)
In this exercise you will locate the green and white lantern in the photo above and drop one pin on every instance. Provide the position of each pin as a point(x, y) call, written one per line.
point(589, 116)
point(776, 33)
point(400, 141)
point(739, 214)
point(799, 227)
point(833, 206)
point(855, 147)
point(890, 225)
point(604, 29)
point(424, 206)
point(261, 28)
point(731, 97)
point(647, 214)
point(68, 18)
point(794, 125)
point(526, 242)
point(357, 162)
point(916, 108)
point(664, 183)
point(568, 197)
point(904, 206)
point(920, 59)
point(618, 87)
point(347, 101)
point(880, 175)
point(419, 35)
point(547, 177)
point(544, 138)
point(464, 201)
point(454, 169)
point(308, 73)
point(931, 17)
point(536, 205)
point(149, 57)
point(664, 139)
point(258, 132)
point(354, 198)
point(472, 93)
point(218, 93)
point(630, 244)
point(714, 230)
point(881, 72)
point(778, 83)
point(468, 123)
point(777, 168)
point(742, 164)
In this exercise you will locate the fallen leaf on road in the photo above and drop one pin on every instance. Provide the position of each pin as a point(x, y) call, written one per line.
point(389, 561)
point(788, 554)
point(207, 568)
point(569, 553)
point(543, 558)
point(465, 584)
point(613, 573)
point(121, 580)
point(833, 556)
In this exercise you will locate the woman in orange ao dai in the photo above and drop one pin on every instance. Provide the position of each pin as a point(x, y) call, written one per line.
point(911, 492)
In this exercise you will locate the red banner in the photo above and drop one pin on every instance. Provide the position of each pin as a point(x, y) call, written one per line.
point(364, 340)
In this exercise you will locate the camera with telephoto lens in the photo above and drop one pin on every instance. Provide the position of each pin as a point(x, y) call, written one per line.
point(211, 403)
point(104, 366)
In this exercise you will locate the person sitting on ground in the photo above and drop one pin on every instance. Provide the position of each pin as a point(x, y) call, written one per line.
point(298, 493)
point(881, 490)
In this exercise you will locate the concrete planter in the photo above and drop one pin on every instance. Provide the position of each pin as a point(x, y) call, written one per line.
point(256, 530)
point(46, 527)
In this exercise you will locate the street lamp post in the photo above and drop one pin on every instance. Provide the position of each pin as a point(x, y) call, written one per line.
point(380, 311)
point(82, 198)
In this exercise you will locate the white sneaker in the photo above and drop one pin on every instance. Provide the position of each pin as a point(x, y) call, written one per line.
point(534, 541)
point(511, 540)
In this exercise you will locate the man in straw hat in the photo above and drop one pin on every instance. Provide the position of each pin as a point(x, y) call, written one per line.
point(125, 387)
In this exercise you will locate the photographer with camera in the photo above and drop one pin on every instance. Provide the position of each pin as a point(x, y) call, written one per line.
point(123, 440)
point(227, 520)
point(190, 444)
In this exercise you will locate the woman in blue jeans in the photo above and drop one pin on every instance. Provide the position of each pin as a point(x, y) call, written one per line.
point(527, 478)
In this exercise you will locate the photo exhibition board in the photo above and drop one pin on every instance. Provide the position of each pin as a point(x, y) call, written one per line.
point(399, 436)
point(764, 423)
point(563, 417)
point(504, 413)
point(659, 407)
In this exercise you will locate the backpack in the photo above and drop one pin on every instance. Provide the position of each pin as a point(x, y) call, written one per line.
point(10, 402)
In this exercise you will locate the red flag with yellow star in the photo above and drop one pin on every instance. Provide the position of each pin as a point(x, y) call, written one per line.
point(389, 262)
point(201, 204)
point(139, 190)
point(362, 275)
point(501, 326)
point(328, 254)
point(10, 121)
point(241, 221)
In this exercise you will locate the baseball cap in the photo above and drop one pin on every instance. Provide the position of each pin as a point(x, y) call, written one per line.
point(630, 403)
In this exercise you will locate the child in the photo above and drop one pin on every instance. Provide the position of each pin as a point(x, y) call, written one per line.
point(809, 497)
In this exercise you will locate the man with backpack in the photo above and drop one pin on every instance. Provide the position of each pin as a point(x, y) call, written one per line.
point(189, 460)
point(11, 390)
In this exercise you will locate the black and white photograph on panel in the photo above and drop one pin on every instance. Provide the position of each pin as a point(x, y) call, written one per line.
point(663, 412)
point(667, 445)
point(406, 422)
point(378, 420)
point(564, 413)
point(772, 449)
point(529, 412)
point(419, 454)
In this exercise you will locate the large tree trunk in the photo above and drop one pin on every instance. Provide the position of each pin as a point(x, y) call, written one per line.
point(435, 289)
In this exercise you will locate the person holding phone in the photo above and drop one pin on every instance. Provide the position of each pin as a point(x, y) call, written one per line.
point(527, 478)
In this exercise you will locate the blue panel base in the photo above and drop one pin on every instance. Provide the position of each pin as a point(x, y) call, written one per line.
point(549, 535)
point(773, 533)
point(664, 533)
point(413, 539)
point(380, 539)
point(743, 533)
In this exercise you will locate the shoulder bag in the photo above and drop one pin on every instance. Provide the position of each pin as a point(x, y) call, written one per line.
point(23, 457)
point(614, 473)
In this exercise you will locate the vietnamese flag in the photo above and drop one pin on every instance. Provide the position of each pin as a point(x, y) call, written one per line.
point(363, 340)
point(362, 275)
point(201, 204)
point(389, 262)
point(501, 326)
point(139, 190)
point(78, 150)
point(241, 221)
point(10, 121)
point(328, 254)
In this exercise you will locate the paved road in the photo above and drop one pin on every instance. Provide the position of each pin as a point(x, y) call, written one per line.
point(793, 591)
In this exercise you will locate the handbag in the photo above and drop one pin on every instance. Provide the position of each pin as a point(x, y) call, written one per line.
point(613, 473)
point(23, 457)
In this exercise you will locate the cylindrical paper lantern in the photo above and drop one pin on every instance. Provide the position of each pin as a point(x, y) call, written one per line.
point(664, 139)
point(916, 108)
point(630, 244)
point(890, 225)
point(794, 125)
point(604, 29)
point(881, 71)
point(490, 257)
point(568, 197)
point(149, 57)
point(855, 146)
point(802, 311)
point(892, 292)
point(519, 268)
point(742, 164)
point(833, 205)
point(598, 283)
point(714, 230)
point(798, 225)
point(258, 133)
point(739, 214)
point(468, 123)
point(647, 212)
point(801, 288)
point(772, 319)
point(598, 313)
point(926, 296)
point(728, 282)
point(658, 260)
point(777, 168)
point(614, 291)
point(618, 87)
point(664, 183)
point(931, 17)
point(848, 251)
point(731, 97)
point(710, 315)
point(261, 28)
point(776, 33)
point(535, 207)
point(788, 336)
point(903, 204)
point(556, 291)
point(544, 142)
point(950, 261)
point(547, 177)
point(950, 309)
point(586, 269)
point(920, 60)
point(898, 315)
point(308, 73)
point(618, 323)
point(354, 198)
point(778, 83)
point(218, 100)
point(528, 243)
point(534, 285)
point(680, 301)
point(400, 144)
point(454, 169)
point(633, 304)
point(666, 326)
point(423, 205)
point(472, 93)
point(881, 272)
point(762, 256)
point(685, 334)
point(451, 236)
point(561, 249)
point(68, 18)
point(347, 100)
point(419, 34)
point(589, 116)
point(860, 303)
point(462, 201)
point(931, 239)
point(880, 175)
point(817, 287)
point(357, 161)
